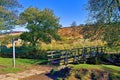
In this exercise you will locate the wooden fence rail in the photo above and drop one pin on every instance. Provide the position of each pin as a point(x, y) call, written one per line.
point(74, 55)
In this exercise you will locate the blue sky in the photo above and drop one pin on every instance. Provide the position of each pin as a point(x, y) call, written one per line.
point(67, 10)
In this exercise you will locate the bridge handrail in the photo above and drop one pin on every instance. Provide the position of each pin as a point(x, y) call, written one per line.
point(75, 52)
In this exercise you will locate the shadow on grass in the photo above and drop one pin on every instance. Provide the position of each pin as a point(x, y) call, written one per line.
point(61, 74)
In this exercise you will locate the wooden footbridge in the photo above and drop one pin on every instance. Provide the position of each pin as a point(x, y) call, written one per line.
point(76, 55)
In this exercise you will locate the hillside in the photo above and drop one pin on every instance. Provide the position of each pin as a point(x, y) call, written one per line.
point(70, 31)
point(14, 33)
point(65, 31)
point(71, 37)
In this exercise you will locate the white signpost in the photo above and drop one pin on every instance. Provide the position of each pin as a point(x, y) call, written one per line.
point(13, 44)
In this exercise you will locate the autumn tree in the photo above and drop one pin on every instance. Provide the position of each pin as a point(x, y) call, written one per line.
point(43, 25)
point(8, 13)
point(105, 17)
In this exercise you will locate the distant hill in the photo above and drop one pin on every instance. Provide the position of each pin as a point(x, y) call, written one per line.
point(65, 31)
point(14, 33)
point(71, 37)
point(70, 31)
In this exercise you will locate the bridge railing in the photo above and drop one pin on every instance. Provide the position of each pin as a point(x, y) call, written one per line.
point(74, 55)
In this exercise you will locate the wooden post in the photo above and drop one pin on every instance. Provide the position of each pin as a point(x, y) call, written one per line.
point(74, 55)
point(90, 52)
point(52, 57)
point(84, 55)
point(78, 53)
point(66, 58)
point(97, 55)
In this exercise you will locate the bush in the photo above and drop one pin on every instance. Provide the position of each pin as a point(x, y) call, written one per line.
point(23, 52)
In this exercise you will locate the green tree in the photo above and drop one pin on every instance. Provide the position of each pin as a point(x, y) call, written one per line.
point(7, 39)
point(73, 24)
point(8, 13)
point(105, 19)
point(104, 11)
point(43, 25)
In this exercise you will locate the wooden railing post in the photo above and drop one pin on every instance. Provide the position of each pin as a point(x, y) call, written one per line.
point(66, 58)
point(84, 55)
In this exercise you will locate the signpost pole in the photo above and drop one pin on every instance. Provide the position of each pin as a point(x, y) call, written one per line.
point(13, 44)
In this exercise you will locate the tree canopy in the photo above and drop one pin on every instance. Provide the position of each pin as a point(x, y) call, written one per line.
point(8, 13)
point(104, 15)
point(104, 11)
point(74, 24)
point(43, 25)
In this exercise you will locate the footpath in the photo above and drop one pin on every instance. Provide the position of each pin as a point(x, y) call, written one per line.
point(18, 76)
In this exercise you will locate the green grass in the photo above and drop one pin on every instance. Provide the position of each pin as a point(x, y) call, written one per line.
point(100, 67)
point(113, 70)
point(86, 66)
point(10, 70)
point(21, 64)
point(115, 49)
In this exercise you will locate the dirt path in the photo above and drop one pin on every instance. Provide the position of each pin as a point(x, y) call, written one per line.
point(36, 73)
point(38, 77)
point(44, 76)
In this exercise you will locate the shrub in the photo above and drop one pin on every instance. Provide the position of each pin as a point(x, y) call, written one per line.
point(24, 52)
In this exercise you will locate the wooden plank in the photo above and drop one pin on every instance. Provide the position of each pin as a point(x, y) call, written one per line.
point(74, 55)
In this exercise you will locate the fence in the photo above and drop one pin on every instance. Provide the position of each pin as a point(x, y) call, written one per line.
point(75, 55)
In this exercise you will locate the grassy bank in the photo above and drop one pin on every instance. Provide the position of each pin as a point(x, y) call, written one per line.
point(21, 64)
point(86, 71)
point(99, 67)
